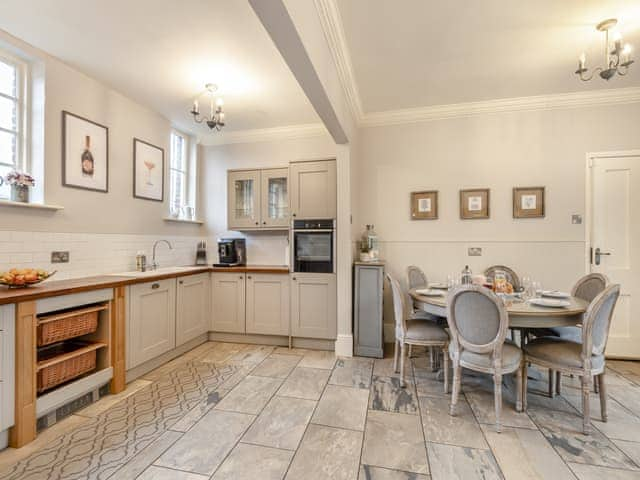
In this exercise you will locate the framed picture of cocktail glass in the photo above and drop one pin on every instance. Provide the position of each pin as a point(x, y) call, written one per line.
point(148, 171)
point(85, 153)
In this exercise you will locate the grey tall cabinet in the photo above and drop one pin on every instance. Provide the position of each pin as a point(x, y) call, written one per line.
point(368, 284)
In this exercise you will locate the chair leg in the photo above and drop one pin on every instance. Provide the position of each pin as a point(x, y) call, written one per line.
point(558, 381)
point(455, 388)
point(586, 413)
point(519, 389)
point(551, 383)
point(497, 393)
point(596, 384)
point(603, 396)
point(403, 355)
point(524, 385)
point(396, 353)
point(410, 350)
point(445, 363)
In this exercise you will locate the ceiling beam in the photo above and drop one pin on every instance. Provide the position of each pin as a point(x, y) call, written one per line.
point(276, 20)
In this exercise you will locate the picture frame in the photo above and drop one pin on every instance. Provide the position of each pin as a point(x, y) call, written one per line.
point(85, 153)
point(528, 202)
point(148, 171)
point(475, 203)
point(424, 205)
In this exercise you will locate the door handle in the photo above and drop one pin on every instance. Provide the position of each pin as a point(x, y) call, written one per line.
point(599, 253)
point(155, 286)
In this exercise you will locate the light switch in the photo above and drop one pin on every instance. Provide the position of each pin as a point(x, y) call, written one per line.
point(576, 219)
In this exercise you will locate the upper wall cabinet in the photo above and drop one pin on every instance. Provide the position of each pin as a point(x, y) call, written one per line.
point(258, 199)
point(313, 189)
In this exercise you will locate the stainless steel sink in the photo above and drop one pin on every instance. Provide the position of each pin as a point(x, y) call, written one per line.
point(151, 273)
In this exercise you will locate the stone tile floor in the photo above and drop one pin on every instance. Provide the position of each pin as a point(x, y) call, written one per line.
point(235, 411)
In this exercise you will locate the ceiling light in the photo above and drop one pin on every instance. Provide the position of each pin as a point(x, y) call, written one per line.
point(216, 116)
point(617, 58)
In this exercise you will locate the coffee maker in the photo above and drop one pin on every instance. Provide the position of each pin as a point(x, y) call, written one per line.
point(232, 252)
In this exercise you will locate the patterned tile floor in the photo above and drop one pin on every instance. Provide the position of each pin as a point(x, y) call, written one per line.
point(233, 411)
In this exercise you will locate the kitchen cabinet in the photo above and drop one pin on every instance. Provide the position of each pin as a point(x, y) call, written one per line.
point(313, 189)
point(152, 320)
point(313, 305)
point(258, 199)
point(267, 304)
point(192, 307)
point(7, 368)
point(368, 283)
point(228, 302)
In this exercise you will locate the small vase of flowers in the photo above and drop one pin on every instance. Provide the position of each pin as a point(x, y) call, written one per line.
point(20, 183)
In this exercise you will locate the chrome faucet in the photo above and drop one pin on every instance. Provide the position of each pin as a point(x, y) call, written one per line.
point(154, 264)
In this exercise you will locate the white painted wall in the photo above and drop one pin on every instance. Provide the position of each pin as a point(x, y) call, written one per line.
point(266, 248)
point(497, 151)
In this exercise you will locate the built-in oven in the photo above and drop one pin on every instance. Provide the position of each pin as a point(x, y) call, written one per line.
point(314, 246)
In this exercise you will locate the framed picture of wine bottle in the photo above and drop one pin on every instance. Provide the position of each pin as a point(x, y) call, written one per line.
point(85, 153)
point(148, 171)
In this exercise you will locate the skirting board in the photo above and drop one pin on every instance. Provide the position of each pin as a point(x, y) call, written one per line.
point(4, 439)
point(344, 346)
point(281, 341)
point(146, 367)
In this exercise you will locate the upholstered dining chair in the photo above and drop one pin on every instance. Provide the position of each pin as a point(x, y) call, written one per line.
point(512, 276)
point(417, 279)
point(409, 331)
point(478, 322)
point(585, 359)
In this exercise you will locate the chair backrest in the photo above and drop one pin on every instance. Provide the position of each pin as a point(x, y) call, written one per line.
point(597, 320)
point(589, 287)
point(417, 278)
point(478, 320)
point(398, 307)
point(512, 277)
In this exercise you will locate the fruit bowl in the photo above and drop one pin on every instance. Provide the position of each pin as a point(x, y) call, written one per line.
point(24, 277)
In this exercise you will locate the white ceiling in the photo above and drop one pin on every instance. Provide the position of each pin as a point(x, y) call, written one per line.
point(416, 53)
point(162, 52)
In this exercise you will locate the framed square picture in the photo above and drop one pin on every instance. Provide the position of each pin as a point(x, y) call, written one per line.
point(85, 153)
point(148, 171)
point(424, 205)
point(474, 203)
point(528, 202)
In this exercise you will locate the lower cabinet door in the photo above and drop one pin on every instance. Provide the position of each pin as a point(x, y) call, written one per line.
point(227, 302)
point(268, 304)
point(313, 305)
point(192, 309)
point(152, 320)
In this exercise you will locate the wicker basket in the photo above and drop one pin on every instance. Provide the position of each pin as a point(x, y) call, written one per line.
point(57, 328)
point(54, 374)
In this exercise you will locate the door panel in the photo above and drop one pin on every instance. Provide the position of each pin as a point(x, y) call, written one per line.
point(275, 197)
point(228, 302)
point(243, 199)
point(192, 310)
point(268, 304)
point(313, 189)
point(313, 306)
point(616, 232)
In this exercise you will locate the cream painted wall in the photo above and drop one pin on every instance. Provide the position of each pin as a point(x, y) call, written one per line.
point(497, 151)
point(263, 247)
point(85, 211)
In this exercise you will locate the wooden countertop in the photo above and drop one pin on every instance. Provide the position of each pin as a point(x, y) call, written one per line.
point(54, 288)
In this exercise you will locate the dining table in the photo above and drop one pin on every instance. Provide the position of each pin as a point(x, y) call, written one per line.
point(522, 314)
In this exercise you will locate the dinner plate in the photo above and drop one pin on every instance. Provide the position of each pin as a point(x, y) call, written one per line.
point(429, 292)
point(555, 294)
point(550, 302)
point(439, 286)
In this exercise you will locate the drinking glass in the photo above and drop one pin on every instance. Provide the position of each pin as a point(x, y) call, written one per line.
point(536, 289)
point(526, 286)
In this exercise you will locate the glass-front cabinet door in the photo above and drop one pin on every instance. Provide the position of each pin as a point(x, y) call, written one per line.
point(275, 197)
point(243, 199)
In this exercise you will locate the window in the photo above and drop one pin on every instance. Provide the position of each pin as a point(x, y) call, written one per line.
point(178, 172)
point(12, 119)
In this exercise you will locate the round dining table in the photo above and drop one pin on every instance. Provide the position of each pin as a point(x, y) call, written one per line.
point(522, 314)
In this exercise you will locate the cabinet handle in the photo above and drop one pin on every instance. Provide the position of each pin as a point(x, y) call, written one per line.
point(264, 223)
point(249, 277)
point(257, 223)
point(241, 277)
point(181, 282)
point(294, 278)
point(155, 286)
point(293, 214)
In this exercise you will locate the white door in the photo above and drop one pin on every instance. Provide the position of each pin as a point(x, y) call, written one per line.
point(615, 243)
point(268, 304)
point(192, 311)
point(228, 302)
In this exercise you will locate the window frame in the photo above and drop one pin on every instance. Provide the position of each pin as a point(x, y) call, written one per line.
point(184, 171)
point(23, 117)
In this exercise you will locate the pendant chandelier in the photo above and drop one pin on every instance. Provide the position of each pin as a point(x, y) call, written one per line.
point(617, 58)
point(215, 120)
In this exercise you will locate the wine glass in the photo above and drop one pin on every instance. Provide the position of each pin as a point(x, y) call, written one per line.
point(150, 166)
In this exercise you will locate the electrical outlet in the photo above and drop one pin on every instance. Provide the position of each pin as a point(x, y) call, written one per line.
point(474, 251)
point(576, 219)
point(60, 257)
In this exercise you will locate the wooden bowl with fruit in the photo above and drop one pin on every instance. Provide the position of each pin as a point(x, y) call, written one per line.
point(23, 277)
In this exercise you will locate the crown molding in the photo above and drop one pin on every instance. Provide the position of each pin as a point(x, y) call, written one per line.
point(332, 27)
point(593, 98)
point(289, 132)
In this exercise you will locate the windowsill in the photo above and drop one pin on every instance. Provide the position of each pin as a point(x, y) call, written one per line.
point(36, 206)
point(183, 220)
